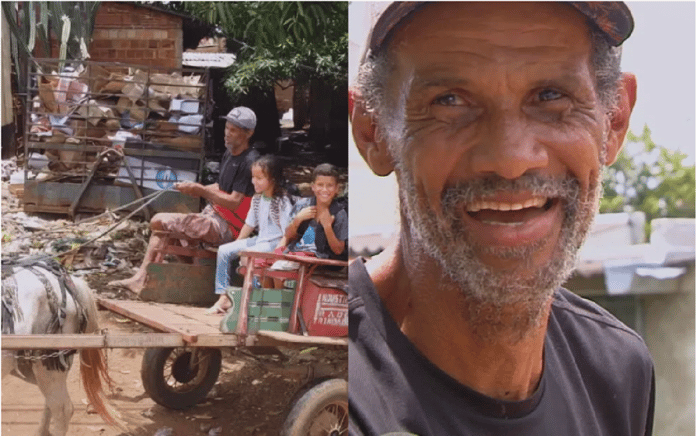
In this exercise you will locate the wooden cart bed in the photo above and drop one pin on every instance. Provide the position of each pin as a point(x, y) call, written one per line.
point(203, 330)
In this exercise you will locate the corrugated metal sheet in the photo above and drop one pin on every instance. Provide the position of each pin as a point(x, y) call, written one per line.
point(210, 60)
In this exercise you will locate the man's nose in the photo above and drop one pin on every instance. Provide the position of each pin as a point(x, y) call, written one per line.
point(508, 148)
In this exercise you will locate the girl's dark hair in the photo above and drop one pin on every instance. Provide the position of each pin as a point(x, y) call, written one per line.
point(273, 169)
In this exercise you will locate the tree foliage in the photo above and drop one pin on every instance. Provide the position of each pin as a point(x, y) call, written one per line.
point(649, 178)
point(280, 40)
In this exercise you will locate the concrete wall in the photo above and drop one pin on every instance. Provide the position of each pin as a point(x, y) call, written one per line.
point(669, 334)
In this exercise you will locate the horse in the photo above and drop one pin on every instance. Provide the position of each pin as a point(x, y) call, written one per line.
point(40, 297)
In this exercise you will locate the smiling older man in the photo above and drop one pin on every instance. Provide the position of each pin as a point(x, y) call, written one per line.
point(497, 119)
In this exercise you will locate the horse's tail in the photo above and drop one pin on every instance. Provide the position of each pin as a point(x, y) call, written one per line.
point(93, 367)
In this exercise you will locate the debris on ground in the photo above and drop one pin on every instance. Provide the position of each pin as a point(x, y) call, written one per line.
point(114, 254)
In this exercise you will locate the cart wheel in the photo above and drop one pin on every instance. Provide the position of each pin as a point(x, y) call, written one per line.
point(179, 378)
point(321, 411)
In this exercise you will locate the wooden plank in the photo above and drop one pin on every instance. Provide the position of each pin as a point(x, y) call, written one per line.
point(40, 342)
point(267, 337)
point(300, 259)
point(187, 251)
point(144, 340)
point(241, 329)
point(217, 340)
point(179, 283)
point(189, 322)
point(302, 274)
point(79, 341)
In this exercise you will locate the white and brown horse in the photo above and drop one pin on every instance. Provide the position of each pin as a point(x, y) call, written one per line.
point(39, 297)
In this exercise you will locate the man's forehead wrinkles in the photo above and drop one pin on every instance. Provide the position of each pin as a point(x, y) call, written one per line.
point(458, 45)
point(428, 81)
point(429, 78)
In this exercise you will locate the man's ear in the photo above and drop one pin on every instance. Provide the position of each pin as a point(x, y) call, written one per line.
point(372, 148)
point(620, 117)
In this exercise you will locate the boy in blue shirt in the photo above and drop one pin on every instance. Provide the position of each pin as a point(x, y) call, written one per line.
point(320, 223)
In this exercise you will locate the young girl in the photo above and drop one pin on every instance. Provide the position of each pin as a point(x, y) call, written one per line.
point(269, 213)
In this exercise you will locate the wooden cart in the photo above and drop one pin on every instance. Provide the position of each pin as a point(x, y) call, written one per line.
point(183, 360)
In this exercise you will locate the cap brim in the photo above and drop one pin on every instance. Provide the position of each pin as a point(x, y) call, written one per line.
point(613, 19)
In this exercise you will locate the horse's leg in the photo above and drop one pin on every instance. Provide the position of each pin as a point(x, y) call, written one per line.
point(8, 362)
point(58, 409)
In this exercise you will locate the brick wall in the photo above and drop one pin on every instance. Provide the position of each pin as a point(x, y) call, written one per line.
point(125, 32)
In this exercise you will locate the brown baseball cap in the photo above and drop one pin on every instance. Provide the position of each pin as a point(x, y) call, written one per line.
point(613, 19)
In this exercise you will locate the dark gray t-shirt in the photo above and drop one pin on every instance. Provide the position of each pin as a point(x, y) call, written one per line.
point(597, 379)
point(235, 172)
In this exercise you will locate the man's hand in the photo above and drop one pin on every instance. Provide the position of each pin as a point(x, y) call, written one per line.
point(325, 218)
point(190, 188)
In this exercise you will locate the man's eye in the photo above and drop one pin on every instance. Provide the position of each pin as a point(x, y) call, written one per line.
point(449, 100)
point(549, 95)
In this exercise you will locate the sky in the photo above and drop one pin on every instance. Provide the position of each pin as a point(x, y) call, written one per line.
point(661, 53)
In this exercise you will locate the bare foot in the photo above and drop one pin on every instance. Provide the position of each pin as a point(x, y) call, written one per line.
point(220, 307)
point(135, 284)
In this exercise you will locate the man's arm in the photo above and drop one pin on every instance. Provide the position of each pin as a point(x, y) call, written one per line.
point(212, 193)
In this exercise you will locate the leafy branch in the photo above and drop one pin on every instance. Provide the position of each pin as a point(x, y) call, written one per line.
point(649, 178)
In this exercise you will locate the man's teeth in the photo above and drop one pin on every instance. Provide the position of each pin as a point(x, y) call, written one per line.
point(503, 206)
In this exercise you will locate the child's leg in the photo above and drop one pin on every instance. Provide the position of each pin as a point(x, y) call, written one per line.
point(226, 253)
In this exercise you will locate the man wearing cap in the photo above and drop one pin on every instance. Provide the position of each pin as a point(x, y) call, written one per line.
point(497, 119)
point(228, 200)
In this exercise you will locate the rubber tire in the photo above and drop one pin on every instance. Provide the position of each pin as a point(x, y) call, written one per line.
point(308, 406)
point(152, 374)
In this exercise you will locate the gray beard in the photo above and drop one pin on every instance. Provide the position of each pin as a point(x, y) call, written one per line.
point(496, 303)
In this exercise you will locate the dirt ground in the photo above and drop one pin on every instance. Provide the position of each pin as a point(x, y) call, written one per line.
point(248, 398)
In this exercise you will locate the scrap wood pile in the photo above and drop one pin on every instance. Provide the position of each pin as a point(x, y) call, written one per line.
point(98, 105)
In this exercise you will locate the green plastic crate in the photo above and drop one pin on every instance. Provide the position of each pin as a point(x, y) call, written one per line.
point(269, 309)
point(270, 323)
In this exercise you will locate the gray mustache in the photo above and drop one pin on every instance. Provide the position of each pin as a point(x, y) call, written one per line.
point(566, 188)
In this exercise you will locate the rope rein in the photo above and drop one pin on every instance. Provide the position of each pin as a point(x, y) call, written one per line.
point(154, 196)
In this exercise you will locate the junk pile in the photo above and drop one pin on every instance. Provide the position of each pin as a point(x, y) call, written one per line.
point(99, 106)
point(117, 252)
point(154, 119)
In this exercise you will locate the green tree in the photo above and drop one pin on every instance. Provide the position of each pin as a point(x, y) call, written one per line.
point(306, 42)
point(650, 178)
point(281, 40)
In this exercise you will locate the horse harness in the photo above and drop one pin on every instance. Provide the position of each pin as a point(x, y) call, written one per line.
point(11, 311)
